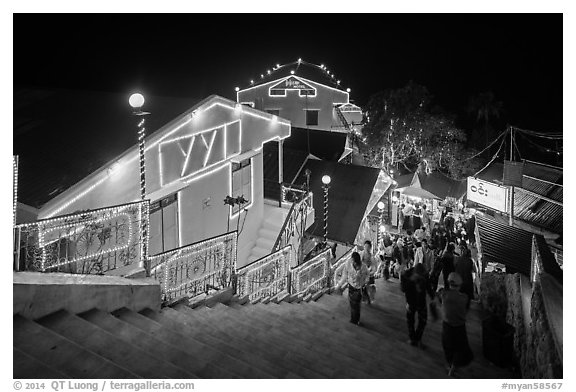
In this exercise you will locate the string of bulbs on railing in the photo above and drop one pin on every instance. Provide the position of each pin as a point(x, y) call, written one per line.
point(263, 76)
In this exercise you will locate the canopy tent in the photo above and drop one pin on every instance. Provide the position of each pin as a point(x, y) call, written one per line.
point(417, 192)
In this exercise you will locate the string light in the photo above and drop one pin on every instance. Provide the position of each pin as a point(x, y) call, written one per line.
point(299, 62)
point(189, 117)
point(236, 89)
point(298, 272)
point(14, 188)
point(166, 259)
point(46, 226)
point(283, 258)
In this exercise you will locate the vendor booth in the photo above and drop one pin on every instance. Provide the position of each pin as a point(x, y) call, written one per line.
point(441, 195)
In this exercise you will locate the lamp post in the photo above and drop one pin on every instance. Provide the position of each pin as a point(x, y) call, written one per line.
point(326, 181)
point(380, 222)
point(137, 101)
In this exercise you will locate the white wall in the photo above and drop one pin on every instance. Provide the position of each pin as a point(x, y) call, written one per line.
point(292, 105)
point(118, 182)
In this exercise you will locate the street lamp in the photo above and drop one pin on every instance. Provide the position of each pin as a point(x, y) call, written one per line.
point(326, 181)
point(137, 101)
point(380, 221)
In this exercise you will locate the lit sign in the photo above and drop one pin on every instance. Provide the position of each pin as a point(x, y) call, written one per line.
point(491, 195)
point(292, 83)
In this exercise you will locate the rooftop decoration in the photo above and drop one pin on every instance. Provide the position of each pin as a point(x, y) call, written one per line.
point(270, 73)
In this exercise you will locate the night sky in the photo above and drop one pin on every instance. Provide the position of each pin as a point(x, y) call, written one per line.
point(518, 57)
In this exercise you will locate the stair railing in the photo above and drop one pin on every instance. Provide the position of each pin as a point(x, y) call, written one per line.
point(300, 207)
point(191, 270)
point(313, 275)
point(347, 127)
point(265, 277)
point(86, 242)
point(337, 268)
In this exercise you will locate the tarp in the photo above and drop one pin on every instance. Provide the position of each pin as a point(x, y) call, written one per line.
point(417, 192)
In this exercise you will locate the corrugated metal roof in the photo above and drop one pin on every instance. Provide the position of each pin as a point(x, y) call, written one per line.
point(529, 208)
point(505, 244)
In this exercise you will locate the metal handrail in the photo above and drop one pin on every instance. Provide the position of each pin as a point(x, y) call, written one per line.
point(289, 217)
point(284, 225)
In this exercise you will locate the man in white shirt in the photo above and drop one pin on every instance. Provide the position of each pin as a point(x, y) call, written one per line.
point(424, 255)
point(356, 275)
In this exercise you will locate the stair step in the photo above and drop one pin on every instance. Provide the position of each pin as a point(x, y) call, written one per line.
point(25, 366)
point(249, 334)
point(258, 367)
point(265, 243)
point(268, 233)
point(60, 353)
point(108, 346)
point(180, 338)
point(304, 348)
point(191, 362)
point(167, 318)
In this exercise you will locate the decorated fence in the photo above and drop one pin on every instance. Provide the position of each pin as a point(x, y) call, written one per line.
point(88, 242)
point(265, 277)
point(295, 221)
point(312, 276)
point(193, 269)
point(337, 268)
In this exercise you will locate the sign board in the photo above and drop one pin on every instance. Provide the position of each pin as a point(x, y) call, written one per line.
point(513, 172)
point(488, 194)
point(292, 83)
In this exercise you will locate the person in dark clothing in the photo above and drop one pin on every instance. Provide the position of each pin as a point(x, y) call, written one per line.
point(465, 267)
point(470, 227)
point(447, 262)
point(449, 223)
point(415, 285)
point(454, 337)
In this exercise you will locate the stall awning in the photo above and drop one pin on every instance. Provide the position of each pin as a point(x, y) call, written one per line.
point(417, 192)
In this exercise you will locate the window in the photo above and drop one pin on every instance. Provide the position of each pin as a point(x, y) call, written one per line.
point(312, 117)
point(309, 93)
point(242, 182)
point(275, 112)
point(164, 225)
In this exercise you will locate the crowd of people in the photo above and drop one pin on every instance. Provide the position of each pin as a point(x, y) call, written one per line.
point(434, 264)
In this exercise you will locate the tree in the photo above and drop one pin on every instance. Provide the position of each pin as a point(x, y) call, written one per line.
point(485, 110)
point(402, 129)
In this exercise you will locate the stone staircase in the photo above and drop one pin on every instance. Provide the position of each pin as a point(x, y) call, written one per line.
point(268, 232)
point(286, 337)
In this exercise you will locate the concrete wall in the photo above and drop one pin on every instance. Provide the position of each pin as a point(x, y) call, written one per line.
point(534, 346)
point(292, 105)
point(38, 294)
